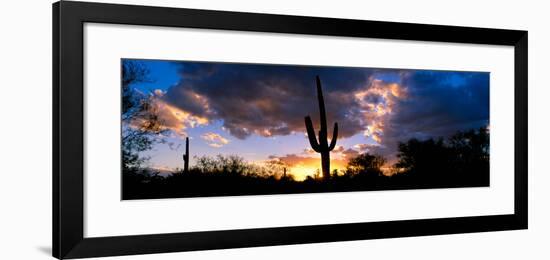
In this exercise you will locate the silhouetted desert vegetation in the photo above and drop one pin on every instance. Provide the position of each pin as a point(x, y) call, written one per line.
point(459, 161)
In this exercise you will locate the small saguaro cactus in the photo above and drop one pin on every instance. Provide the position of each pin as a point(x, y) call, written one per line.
point(186, 156)
point(322, 145)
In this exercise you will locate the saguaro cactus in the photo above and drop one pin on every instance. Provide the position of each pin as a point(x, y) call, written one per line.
point(322, 145)
point(186, 156)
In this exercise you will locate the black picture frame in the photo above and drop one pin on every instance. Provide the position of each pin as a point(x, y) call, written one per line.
point(68, 146)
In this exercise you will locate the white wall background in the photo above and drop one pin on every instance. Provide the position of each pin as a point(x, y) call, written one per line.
point(25, 148)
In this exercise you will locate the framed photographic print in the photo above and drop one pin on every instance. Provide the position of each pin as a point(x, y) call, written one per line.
point(178, 129)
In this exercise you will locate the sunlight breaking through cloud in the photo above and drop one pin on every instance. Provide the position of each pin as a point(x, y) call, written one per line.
point(377, 103)
point(167, 116)
point(214, 140)
point(178, 120)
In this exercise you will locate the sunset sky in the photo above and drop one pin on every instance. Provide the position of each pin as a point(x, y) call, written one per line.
point(257, 111)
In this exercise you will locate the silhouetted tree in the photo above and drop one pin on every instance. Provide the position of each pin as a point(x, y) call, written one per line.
point(226, 165)
point(366, 164)
point(463, 159)
point(470, 150)
point(426, 160)
point(132, 72)
point(471, 146)
point(141, 123)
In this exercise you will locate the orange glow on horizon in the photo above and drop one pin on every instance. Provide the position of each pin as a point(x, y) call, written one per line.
point(301, 170)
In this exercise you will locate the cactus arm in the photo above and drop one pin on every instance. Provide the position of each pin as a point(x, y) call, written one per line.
point(311, 135)
point(334, 137)
point(322, 113)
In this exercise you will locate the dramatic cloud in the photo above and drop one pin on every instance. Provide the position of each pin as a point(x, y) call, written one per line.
point(338, 149)
point(384, 106)
point(168, 116)
point(376, 106)
point(268, 100)
point(438, 104)
point(214, 140)
point(365, 147)
point(350, 153)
